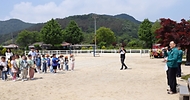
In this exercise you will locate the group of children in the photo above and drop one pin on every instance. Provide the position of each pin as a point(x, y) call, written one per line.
point(28, 65)
point(53, 63)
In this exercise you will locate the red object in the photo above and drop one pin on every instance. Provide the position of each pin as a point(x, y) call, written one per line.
point(157, 50)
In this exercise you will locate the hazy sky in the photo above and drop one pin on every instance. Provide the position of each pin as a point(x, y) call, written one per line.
point(43, 10)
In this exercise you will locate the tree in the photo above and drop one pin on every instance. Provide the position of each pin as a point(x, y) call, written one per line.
point(135, 43)
point(73, 33)
point(26, 38)
point(52, 33)
point(178, 32)
point(155, 27)
point(105, 35)
point(145, 33)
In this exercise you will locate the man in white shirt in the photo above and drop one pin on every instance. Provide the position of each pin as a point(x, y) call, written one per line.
point(33, 54)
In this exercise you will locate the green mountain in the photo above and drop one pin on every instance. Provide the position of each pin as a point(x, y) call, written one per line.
point(127, 17)
point(124, 26)
point(13, 25)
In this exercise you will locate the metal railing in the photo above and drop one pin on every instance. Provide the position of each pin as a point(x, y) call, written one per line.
point(58, 52)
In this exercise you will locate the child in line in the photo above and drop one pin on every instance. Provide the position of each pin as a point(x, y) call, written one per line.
point(44, 64)
point(9, 67)
point(51, 67)
point(4, 69)
point(66, 63)
point(58, 64)
point(14, 67)
point(31, 67)
point(38, 63)
point(61, 58)
point(55, 61)
point(24, 68)
point(72, 61)
point(17, 59)
point(48, 62)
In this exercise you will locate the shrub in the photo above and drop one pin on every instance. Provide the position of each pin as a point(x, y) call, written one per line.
point(111, 47)
point(103, 47)
point(83, 48)
point(18, 51)
point(90, 48)
point(3, 51)
point(185, 77)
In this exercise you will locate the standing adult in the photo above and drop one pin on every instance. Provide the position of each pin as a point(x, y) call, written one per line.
point(172, 67)
point(33, 54)
point(166, 66)
point(122, 57)
point(8, 54)
point(179, 61)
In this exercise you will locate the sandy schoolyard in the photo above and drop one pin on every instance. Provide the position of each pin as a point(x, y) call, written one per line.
point(97, 78)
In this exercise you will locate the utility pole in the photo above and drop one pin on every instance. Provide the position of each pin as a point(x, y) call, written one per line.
point(95, 17)
point(12, 38)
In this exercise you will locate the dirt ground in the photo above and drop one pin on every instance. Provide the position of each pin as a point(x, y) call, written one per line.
point(97, 78)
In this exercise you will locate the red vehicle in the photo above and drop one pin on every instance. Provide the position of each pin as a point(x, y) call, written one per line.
point(157, 51)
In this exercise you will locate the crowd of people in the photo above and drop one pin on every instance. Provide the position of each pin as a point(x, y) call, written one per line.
point(173, 58)
point(24, 67)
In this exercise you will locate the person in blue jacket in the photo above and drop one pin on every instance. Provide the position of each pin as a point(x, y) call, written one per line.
point(179, 61)
point(172, 67)
point(55, 61)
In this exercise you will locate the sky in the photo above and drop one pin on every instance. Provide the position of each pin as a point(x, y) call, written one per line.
point(38, 11)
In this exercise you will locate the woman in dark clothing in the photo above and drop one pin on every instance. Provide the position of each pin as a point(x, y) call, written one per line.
point(122, 57)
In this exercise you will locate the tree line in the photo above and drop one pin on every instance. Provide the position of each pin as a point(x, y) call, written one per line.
point(52, 33)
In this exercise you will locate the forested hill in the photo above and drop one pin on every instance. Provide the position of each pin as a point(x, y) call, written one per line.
point(124, 26)
point(13, 25)
point(127, 17)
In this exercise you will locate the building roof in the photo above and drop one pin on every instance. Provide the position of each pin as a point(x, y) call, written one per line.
point(11, 46)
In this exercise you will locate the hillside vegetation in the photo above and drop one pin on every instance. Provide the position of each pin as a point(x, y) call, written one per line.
point(125, 27)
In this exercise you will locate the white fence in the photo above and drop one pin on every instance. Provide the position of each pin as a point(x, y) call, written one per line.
point(75, 52)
